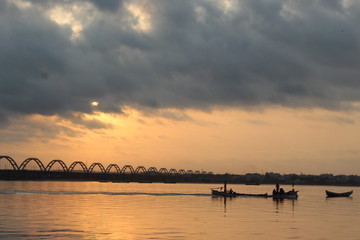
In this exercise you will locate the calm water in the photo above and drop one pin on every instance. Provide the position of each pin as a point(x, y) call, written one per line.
point(92, 210)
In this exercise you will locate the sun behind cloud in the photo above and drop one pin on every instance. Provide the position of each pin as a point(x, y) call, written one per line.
point(94, 103)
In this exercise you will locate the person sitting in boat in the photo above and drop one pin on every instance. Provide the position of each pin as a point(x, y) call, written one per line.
point(276, 190)
point(230, 191)
point(282, 191)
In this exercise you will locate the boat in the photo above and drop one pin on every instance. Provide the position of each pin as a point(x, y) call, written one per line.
point(286, 195)
point(222, 191)
point(252, 183)
point(219, 192)
point(334, 194)
point(279, 193)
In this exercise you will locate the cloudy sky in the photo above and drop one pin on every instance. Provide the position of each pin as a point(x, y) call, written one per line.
point(221, 85)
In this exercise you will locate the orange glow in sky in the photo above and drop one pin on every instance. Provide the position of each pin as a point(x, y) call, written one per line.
point(228, 140)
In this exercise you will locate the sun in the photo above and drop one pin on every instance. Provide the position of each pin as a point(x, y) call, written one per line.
point(94, 103)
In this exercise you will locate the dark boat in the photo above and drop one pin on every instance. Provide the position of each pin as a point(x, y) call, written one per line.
point(252, 183)
point(279, 193)
point(286, 195)
point(334, 194)
point(217, 192)
point(222, 191)
point(170, 182)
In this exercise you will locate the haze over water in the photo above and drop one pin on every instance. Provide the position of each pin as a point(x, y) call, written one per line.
point(92, 210)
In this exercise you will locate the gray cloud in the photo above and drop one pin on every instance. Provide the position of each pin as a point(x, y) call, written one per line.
point(108, 5)
point(198, 54)
point(28, 130)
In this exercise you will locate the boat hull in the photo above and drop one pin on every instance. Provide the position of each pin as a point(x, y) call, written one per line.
point(285, 196)
point(234, 194)
point(334, 194)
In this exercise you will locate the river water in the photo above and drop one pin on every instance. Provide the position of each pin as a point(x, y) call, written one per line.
point(93, 210)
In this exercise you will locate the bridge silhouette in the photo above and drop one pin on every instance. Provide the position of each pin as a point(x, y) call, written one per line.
point(126, 169)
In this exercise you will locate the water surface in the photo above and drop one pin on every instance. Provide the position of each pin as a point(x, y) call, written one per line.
point(93, 210)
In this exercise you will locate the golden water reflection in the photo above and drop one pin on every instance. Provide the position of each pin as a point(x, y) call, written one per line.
point(91, 210)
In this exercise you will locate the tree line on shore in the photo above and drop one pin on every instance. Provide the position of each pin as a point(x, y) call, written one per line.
point(300, 179)
point(248, 178)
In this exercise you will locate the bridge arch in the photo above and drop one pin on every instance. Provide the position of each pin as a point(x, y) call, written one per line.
point(92, 166)
point(11, 161)
point(163, 171)
point(73, 165)
point(37, 161)
point(140, 169)
point(123, 170)
point(152, 170)
point(117, 168)
point(181, 171)
point(62, 164)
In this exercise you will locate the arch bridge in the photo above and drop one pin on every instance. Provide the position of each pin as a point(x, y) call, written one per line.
point(126, 169)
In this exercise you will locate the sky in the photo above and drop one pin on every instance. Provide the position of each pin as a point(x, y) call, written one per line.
point(228, 86)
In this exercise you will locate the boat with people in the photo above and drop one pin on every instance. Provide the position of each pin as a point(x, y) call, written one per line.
point(286, 195)
point(279, 193)
point(230, 193)
point(334, 194)
point(223, 192)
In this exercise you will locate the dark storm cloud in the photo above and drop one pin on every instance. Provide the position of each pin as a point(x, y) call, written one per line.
point(104, 5)
point(108, 5)
point(197, 54)
point(29, 47)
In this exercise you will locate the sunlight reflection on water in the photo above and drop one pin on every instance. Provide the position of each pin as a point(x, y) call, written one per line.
point(92, 210)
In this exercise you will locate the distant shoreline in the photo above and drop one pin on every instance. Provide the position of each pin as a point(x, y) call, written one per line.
point(78, 180)
point(247, 179)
